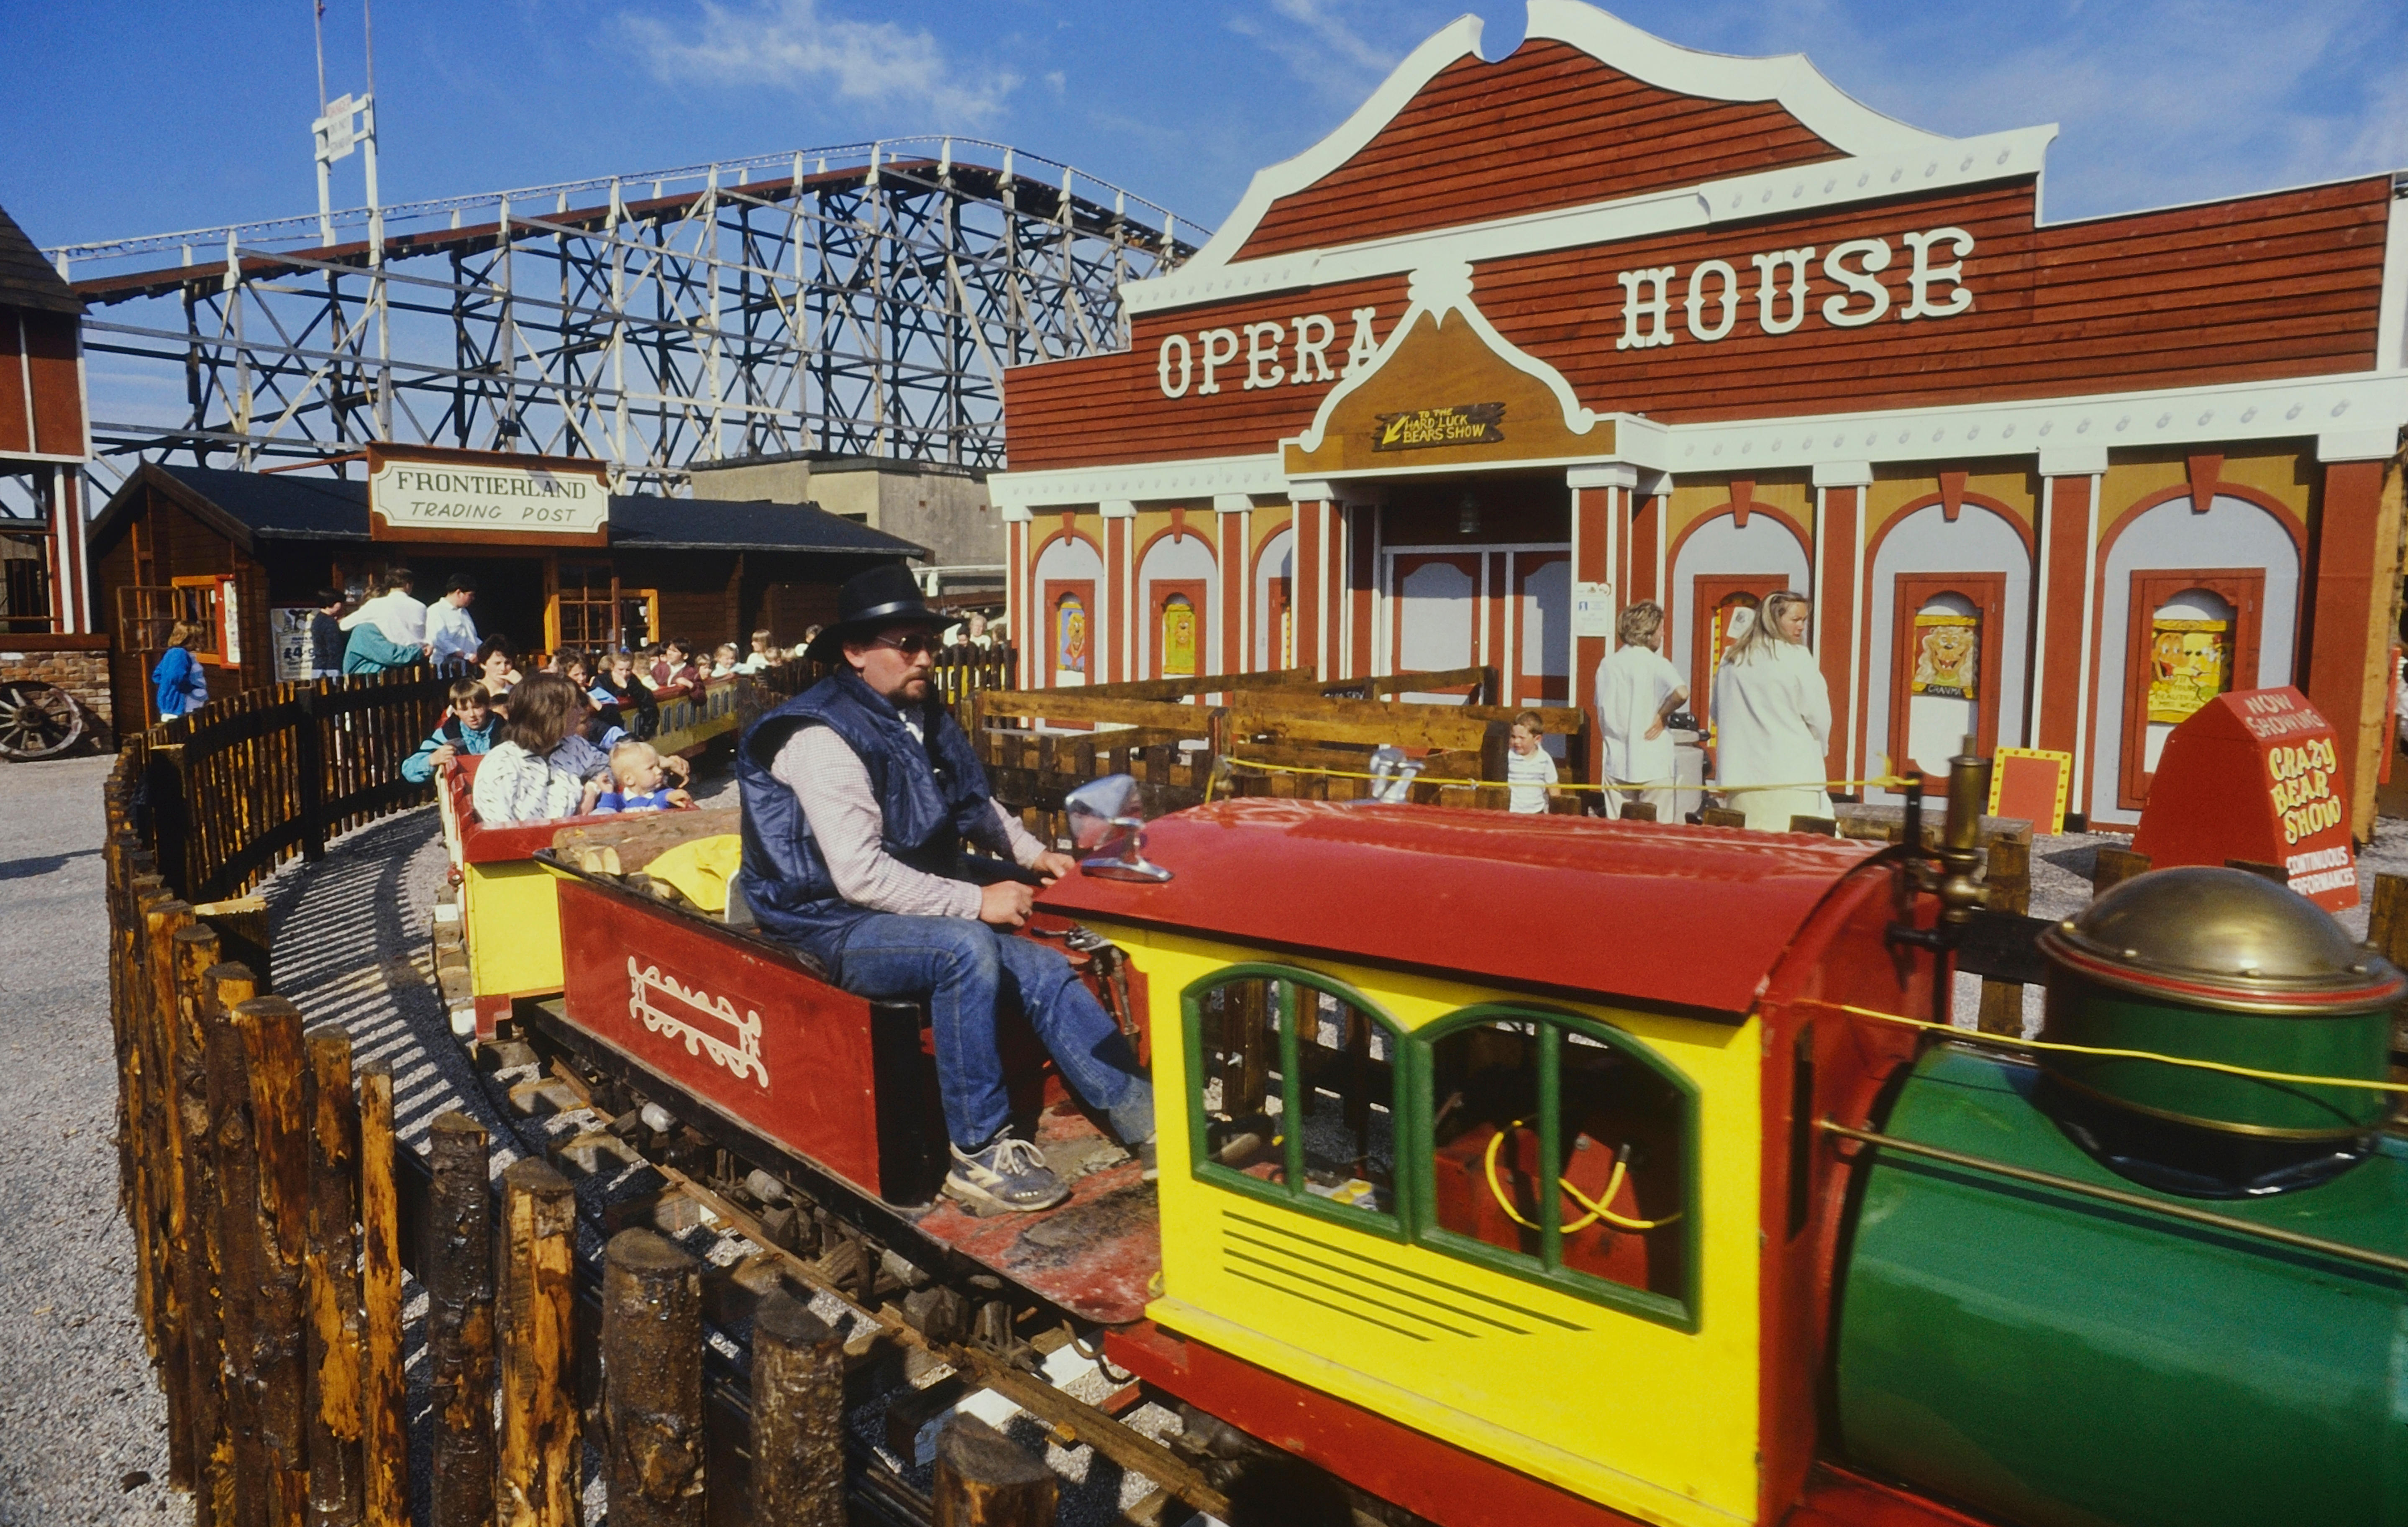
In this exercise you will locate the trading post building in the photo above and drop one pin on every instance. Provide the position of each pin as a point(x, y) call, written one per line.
point(1523, 342)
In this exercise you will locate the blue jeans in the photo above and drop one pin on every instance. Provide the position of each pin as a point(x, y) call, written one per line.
point(964, 969)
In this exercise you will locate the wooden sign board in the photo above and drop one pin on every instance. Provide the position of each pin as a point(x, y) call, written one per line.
point(2033, 783)
point(2255, 775)
point(432, 495)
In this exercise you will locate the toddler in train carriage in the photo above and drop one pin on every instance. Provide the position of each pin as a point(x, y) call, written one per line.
point(1530, 769)
point(722, 663)
point(470, 729)
point(640, 782)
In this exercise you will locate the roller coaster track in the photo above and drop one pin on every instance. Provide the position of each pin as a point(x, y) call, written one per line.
point(861, 299)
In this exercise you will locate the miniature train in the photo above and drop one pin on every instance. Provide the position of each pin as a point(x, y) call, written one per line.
point(1806, 1260)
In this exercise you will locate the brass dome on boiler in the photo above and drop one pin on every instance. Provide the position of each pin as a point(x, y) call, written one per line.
point(2224, 966)
point(2234, 940)
point(2231, 969)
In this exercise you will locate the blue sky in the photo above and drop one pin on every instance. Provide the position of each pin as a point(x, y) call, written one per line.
point(123, 118)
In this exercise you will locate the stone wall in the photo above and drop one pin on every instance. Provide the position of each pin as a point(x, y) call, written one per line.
point(79, 665)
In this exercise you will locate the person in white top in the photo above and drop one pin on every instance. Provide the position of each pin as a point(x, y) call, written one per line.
point(1530, 769)
point(400, 617)
point(1637, 692)
point(450, 635)
point(1772, 719)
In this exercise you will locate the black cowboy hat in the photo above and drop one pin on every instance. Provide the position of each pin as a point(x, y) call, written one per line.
point(869, 602)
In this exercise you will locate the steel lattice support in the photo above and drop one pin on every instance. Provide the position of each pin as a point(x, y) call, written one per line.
point(863, 300)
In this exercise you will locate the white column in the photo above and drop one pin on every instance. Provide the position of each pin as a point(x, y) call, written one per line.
point(2089, 461)
point(1859, 476)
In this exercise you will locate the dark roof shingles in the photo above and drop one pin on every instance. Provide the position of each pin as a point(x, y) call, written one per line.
point(27, 280)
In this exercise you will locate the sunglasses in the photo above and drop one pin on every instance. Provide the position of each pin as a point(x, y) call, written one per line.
point(918, 644)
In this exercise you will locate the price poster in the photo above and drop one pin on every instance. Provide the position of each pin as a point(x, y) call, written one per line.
point(2190, 662)
point(1947, 655)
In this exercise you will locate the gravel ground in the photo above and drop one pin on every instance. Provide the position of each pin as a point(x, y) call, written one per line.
point(82, 1427)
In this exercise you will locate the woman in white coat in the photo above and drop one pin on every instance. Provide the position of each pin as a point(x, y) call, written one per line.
point(1772, 718)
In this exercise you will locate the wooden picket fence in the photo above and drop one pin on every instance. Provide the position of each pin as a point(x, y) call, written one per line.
point(248, 782)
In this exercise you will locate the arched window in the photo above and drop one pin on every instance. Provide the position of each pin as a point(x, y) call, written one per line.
point(1070, 634)
point(1562, 1150)
point(1292, 1093)
point(1943, 674)
point(1176, 635)
point(2193, 634)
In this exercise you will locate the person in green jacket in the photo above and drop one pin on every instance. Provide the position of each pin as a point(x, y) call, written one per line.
point(370, 651)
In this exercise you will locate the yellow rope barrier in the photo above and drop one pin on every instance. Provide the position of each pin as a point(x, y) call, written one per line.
point(1976, 1036)
point(1887, 781)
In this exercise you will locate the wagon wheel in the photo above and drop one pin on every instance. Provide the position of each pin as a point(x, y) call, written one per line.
point(38, 720)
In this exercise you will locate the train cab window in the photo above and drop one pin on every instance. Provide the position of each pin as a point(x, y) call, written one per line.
point(1563, 1149)
point(1292, 1093)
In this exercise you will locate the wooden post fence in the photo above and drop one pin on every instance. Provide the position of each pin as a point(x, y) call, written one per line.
point(457, 1267)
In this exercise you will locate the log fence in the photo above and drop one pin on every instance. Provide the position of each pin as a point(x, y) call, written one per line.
point(276, 1217)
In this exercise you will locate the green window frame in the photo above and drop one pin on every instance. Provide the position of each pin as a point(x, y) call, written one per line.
point(1419, 1160)
point(1291, 1192)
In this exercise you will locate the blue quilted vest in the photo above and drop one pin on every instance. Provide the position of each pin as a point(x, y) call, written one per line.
point(928, 797)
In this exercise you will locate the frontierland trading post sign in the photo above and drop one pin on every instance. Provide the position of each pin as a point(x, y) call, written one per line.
point(487, 495)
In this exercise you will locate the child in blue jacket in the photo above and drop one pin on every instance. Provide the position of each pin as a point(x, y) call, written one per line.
point(471, 728)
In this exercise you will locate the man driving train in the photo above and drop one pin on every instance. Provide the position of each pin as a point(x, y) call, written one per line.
point(857, 795)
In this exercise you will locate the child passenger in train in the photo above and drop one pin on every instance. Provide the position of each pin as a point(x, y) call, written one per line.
point(471, 728)
point(640, 783)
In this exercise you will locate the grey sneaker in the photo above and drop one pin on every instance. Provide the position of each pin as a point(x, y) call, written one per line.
point(1143, 1151)
point(1009, 1173)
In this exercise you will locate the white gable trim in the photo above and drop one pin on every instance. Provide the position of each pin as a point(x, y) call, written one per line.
point(1848, 125)
point(1440, 292)
point(1018, 495)
point(1828, 112)
point(1458, 38)
point(1793, 191)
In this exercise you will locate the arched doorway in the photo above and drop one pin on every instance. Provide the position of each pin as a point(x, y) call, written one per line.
point(2237, 553)
point(1066, 649)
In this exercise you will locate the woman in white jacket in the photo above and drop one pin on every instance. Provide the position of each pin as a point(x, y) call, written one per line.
point(1772, 718)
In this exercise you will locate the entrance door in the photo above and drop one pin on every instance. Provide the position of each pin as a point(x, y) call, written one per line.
point(1542, 614)
point(1179, 616)
point(1944, 667)
point(1437, 597)
point(1722, 607)
point(1071, 629)
point(2192, 632)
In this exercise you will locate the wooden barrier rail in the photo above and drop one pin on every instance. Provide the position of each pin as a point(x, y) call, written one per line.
point(1185, 738)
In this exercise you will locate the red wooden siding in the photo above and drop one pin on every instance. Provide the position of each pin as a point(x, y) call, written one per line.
point(2265, 287)
point(49, 421)
point(1546, 127)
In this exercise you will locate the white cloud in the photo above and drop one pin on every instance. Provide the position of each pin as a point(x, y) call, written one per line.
point(794, 43)
point(1323, 43)
point(2161, 101)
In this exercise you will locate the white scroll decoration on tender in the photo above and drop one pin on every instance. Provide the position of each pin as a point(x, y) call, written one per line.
point(741, 1056)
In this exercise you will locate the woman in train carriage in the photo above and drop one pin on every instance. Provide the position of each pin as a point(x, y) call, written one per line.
point(1772, 719)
